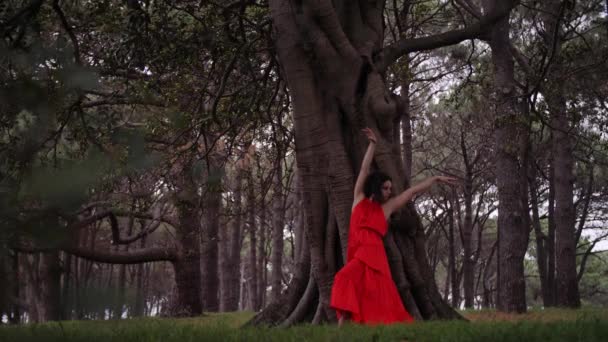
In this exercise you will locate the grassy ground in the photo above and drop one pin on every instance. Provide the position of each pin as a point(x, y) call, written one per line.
point(537, 325)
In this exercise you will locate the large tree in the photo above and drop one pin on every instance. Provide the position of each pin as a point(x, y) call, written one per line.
point(334, 58)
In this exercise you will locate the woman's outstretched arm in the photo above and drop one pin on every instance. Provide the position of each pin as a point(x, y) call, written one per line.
point(367, 162)
point(401, 200)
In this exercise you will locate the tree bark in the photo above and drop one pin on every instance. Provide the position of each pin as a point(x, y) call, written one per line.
point(541, 253)
point(66, 295)
point(252, 283)
point(231, 267)
point(210, 254)
point(468, 263)
point(452, 270)
point(512, 233)
point(15, 316)
point(262, 257)
point(50, 287)
point(139, 309)
point(551, 237)
point(188, 264)
point(276, 257)
point(567, 293)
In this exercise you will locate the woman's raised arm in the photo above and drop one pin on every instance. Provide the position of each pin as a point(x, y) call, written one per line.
point(367, 162)
point(401, 200)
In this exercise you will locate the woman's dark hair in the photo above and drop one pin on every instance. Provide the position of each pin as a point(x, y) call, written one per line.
point(373, 184)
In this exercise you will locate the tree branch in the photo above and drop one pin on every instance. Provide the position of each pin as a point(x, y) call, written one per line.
point(68, 29)
point(118, 102)
point(393, 52)
point(116, 239)
point(137, 256)
point(101, 215)
point(470, 8)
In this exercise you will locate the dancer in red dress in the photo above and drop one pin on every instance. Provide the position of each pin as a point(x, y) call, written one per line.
point(364, 290)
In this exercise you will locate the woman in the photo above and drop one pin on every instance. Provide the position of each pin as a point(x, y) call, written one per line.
point(364, 290)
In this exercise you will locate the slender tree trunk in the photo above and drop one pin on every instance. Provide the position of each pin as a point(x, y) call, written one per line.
point(551, 238)
point(16, 290)
point(567, 293)
point(541, 253)
point(231, 261)
point(50, 285)
point(468, 263)
point(213, 208)
point(452, 269)
point(119, 299)
point(66, 295)
point(512, 233)
point(141, 295)
point(276, 258)
point(252, 284)
point(262, 259)
point(487, 273)
point(406, 124)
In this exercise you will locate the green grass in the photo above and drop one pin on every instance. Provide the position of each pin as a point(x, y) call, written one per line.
point(545, 325)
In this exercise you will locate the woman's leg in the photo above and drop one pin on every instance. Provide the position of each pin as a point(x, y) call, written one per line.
point(344, 316)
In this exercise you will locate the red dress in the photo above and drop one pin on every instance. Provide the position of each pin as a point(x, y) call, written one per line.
point(364, 286)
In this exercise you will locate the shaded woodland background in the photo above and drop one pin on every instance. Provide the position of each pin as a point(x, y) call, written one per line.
point(149, 160)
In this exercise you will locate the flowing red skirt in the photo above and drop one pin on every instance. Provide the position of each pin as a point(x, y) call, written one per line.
point(368, 295)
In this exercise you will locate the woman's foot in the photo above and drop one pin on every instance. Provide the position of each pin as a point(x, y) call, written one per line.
point(343, 317)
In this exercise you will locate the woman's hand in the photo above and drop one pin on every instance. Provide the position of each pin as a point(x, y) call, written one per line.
point(446, 180)
point(371, 136)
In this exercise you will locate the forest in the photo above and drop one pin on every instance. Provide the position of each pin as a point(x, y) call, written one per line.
point(179, 158)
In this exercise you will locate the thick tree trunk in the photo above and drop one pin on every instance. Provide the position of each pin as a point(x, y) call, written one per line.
point(43, 287)
point(187, 266)
point(512, 233)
